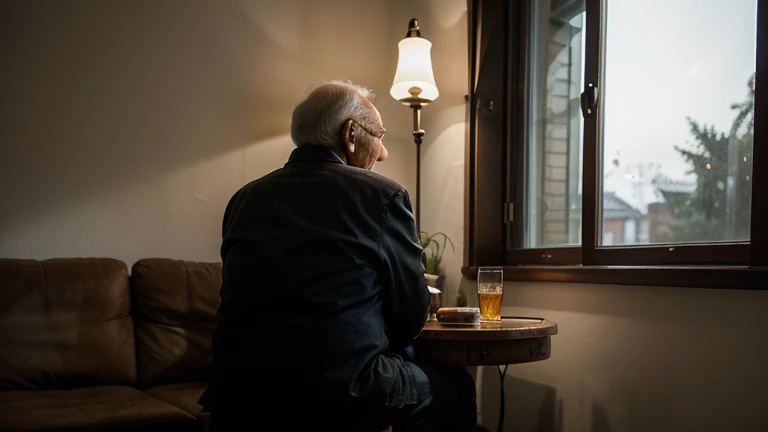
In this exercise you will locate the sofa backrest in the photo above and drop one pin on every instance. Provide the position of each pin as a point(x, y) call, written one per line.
point(174, 309)
point(65, 323)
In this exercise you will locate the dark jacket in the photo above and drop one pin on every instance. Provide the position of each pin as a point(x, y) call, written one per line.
point(323, 287)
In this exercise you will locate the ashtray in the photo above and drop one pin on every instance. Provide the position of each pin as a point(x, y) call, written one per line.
point(459, 316)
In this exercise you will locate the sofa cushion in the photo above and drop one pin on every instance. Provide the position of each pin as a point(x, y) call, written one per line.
point(174, 308)
point(181, 395)
point(65, 323)
point(87, 408)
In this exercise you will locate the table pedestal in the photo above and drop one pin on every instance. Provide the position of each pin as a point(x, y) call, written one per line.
point(511, 341)
point(485, 353)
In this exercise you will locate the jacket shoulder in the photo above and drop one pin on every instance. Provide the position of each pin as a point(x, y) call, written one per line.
point(379, 181)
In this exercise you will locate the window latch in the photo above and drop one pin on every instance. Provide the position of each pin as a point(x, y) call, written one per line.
point(589, 100)
point(485, 106)
point(509, 213)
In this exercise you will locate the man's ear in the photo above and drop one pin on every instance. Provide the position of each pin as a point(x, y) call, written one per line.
point(348, 135)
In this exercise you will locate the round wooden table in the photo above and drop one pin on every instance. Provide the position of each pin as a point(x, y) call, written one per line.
point(509, 341)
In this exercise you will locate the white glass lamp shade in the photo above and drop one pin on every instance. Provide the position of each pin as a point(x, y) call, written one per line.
point(414, 69)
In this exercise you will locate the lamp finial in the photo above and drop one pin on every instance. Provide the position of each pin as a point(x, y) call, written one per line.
point(413, 28)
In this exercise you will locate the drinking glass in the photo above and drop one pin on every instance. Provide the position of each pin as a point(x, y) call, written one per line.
point(490, 291)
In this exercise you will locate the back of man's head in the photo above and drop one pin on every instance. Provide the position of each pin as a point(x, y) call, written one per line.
point(319, 118)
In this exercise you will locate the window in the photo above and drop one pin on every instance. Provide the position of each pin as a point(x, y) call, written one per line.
point(555, 124)
point(628, 131)
point(688, 71)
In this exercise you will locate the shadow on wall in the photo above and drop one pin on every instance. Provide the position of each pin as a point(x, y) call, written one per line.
point(529, 406)
point(600, 421)
point(637, 358)
point(101, 94)
point(109, 108)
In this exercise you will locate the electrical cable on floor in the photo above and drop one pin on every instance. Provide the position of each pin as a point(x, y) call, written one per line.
point(501, 399)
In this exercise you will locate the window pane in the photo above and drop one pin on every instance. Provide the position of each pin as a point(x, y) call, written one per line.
point(553, 156)
point(677, 108)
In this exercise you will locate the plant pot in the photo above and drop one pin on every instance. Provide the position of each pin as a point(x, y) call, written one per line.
point(432, 280)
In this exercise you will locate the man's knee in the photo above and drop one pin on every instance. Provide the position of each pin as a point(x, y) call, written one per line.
point(455, 399)
point(465, 385)
point(451, 385)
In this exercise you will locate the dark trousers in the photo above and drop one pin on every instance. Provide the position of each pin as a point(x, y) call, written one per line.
point(446, 403)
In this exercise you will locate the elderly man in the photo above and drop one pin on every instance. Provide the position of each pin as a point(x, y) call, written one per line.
point(324, 290)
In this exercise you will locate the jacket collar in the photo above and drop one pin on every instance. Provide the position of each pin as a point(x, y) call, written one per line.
point(313, 153)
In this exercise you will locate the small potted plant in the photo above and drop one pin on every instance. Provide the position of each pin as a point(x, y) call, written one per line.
point(433, 256)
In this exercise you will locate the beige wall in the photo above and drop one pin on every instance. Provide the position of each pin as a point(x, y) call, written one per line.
point(634, 358)
point(126, 126)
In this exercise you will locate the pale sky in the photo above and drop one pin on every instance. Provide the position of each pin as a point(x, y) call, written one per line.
point(665, 60)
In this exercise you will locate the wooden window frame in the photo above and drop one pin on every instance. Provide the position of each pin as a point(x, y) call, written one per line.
point(495, 166)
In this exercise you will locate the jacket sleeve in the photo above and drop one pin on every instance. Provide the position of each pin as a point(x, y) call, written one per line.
point(403, 273)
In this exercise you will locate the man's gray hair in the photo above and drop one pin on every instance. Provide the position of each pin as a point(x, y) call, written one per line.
point(319, 118)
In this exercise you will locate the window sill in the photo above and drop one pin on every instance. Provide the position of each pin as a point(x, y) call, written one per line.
point(722, 277)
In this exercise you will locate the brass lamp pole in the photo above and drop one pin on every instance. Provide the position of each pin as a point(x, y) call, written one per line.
point(414, 86)
point(415, 102)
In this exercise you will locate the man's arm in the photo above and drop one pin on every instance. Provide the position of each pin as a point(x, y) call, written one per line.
point(403, 273)
point(233, 206)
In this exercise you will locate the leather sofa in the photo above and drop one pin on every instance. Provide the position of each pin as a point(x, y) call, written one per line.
point(84, 345)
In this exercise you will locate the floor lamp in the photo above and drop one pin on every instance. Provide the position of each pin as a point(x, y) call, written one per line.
point(414, 86)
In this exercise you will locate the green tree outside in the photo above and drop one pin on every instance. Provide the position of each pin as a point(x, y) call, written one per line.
point(720, 207)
